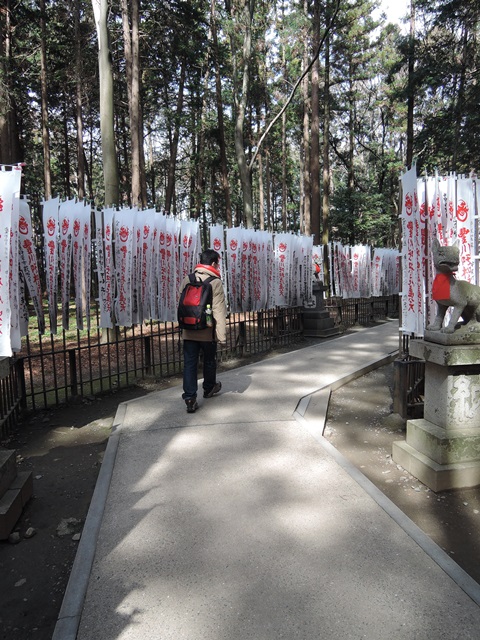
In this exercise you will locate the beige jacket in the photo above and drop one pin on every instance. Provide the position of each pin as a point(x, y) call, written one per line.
point(219, 332)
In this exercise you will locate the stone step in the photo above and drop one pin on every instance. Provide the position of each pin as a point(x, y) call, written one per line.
point(13, 501)
point(15, 491)
point(8, 469)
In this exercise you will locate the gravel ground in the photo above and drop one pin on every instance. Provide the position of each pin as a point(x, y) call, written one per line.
point(361, 425)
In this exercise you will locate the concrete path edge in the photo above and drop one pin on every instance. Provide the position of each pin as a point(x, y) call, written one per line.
point(72, 604)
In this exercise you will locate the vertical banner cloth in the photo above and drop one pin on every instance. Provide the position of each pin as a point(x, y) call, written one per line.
point(413, 257)
point(465, 212)
point(105, 265)
point(9, 191)
point(124, 228)
point(147, 232)
point(233, 252)
point(283, 254)
point(190, 247)
point(217, 242)
point(385, 272)
point(28, 262)
point(170, 257)
point(65, 221)
point(81, 238)
point(50, 230)
point(317, 263)
point(14, 281)
point(245, 270)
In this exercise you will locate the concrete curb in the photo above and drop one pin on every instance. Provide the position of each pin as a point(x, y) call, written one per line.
point(72, 605)
point(316, 428)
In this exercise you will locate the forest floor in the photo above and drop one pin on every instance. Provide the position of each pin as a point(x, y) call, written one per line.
point(63, 448)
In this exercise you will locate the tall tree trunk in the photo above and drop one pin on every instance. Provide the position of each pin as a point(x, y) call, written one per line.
point(411, 85)
point(130, 22)
point(284, 172)
point(460, 97)
point(268, 181)
point(240, 95)
point(174, 142)
point(326, 155)
point(200, 164)
point(315, 133)
point(109, 154)
point(261, 194)
point(10, 150)
point(284, 144)
point(47, 176)
point(306, 191)
point(78, 105)
point(67, 171)
point(351, 156)
point(221, 125)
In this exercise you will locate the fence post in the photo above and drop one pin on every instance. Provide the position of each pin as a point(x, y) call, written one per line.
point(73, 372)
point(148, 353)
point(21, 387)
point(242, 336)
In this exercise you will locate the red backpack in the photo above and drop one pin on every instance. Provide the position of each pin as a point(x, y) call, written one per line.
point(195, 297)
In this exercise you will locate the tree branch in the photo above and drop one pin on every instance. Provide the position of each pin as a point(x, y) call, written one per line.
point(295, 87)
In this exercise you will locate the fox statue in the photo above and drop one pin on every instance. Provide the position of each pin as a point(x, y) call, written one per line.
point(447, 291)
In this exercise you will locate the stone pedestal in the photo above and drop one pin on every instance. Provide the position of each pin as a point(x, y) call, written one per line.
point(442, 449)
point(316, 319)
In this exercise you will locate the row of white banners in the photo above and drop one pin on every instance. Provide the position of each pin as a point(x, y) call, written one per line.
point(139, 258)
point(434, 207)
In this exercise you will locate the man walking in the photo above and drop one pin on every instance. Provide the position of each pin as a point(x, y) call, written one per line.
point(204, 340)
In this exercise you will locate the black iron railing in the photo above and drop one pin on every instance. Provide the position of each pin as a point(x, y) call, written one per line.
point(55, 369)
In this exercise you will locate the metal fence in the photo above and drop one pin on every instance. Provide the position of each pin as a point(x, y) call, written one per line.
point(54, 369)
point(349, 312)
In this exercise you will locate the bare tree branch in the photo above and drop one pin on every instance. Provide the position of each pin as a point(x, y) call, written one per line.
point(295, 87)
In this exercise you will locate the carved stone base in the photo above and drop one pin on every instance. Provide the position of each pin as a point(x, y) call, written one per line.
point(442, 449)
point(467, 334)
point(437, 477)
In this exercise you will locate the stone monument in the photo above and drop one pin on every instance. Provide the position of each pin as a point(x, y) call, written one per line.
point(442, 449)
point(316, 319)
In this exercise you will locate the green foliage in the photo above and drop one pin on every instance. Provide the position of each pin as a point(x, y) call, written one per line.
point(367, 100)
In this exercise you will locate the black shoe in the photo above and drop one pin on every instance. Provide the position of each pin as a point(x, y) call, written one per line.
point(216, 389)
point(192, 405)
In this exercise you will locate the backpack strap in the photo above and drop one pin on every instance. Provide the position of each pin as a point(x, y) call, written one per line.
point(193, 278)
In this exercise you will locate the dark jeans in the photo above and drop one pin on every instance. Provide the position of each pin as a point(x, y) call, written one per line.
point(191, 353)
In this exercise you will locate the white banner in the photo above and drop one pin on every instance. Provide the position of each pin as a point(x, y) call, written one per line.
point(464, 212)
point(14, 280)
point(28, 262)
point(65, 220)
point(190, 247)
point(124, 226)
point(413, 257)
point(283, 259)
point(232, 254)
point(105, 319)
point(81, 238)
point(318, 268)
point(147, 226)
point(9, 190)
point(50, 230)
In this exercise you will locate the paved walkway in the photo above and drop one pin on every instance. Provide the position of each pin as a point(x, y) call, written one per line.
point(241, 521)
